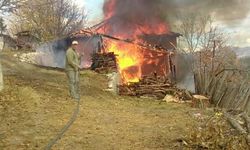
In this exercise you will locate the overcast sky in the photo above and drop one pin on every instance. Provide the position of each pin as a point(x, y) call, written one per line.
point(93, 10)
point(233, 15)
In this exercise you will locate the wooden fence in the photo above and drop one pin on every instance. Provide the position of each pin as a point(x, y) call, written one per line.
point(226, 89)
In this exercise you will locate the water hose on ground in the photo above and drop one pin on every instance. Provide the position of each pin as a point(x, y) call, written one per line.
point(65, 128)
point(70, 122)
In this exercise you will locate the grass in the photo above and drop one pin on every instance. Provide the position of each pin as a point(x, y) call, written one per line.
point(35, 105)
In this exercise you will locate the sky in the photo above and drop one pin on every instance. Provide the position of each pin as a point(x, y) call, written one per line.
point(93, 10)
point(241, 32)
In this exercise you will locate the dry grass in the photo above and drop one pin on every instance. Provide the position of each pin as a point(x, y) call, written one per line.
point(35, 105)
point(215, 134)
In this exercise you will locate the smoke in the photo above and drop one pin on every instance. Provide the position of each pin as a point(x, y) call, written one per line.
point(52, 54)
point(227, 11)
point(139, 12)
point(184, 74)
point(133, 10)
point(135, 17)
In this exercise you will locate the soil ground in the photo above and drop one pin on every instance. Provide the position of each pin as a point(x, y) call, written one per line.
point(35, 105)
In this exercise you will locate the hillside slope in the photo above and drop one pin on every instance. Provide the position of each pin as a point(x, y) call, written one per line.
point(35, 105)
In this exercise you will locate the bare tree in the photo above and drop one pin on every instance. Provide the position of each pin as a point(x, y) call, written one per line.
point(10, 5)
point(207, 45)
point(5, 5)
point(193, 28)
point(2, 26)
point(49, 19)
point(201, 39)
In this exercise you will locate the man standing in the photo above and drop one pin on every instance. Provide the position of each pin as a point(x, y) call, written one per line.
point(72, 70)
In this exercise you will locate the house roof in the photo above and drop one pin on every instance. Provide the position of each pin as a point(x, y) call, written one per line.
point(23, 33)
point(28, 34)
point(165, 35)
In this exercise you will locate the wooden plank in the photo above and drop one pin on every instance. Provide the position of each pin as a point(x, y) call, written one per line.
point(225, 92)
point(229, 96)
point(241, 94)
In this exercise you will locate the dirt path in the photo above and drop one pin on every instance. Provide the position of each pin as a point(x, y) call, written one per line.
point(35, 105)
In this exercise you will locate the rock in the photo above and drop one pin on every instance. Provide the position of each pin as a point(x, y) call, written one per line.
point(170, 98)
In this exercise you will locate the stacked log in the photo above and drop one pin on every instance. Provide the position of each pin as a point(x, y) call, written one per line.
point(155, 87)
point(104, 62)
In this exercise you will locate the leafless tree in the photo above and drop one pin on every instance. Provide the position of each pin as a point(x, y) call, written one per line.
point(202, 39)
point(2, 26)
point(49, 19)
point(193, 27)
point(5, 5)
point(10, 5)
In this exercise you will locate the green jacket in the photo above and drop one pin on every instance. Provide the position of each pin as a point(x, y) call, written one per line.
point(72, 60)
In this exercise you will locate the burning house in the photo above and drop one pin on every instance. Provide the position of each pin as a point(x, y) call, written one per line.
point(148, 42)
point(134, 59)
point(145, 55)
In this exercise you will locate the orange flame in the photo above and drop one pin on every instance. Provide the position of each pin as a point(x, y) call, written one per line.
point(130, 57)
point(129, 60)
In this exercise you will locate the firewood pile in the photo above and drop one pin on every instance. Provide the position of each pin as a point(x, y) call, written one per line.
point(104, 62)
point(154, 86)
